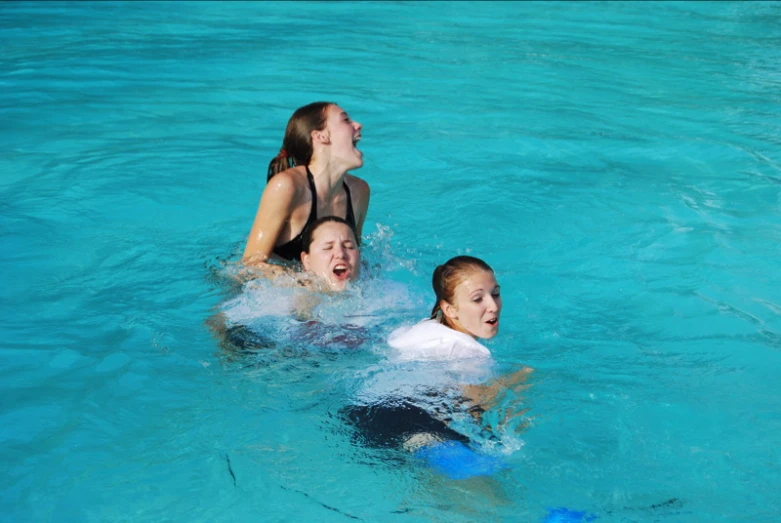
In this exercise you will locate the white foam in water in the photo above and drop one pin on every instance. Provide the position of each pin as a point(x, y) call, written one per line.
point(258, 299)
point(363, 304)
point(367, 303)
point(416, 379)
point(359, 315)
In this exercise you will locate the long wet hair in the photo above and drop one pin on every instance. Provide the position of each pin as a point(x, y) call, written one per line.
point(309, 233)
point(447, 277)
point(297, 143)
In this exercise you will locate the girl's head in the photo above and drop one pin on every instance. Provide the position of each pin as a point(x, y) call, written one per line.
point(331, 251)
point(467, 297)
point(310, 130)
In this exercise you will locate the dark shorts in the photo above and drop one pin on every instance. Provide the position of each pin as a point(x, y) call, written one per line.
point(389, 426)
point(241, 338)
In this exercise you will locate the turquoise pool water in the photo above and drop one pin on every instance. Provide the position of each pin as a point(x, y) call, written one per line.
point(618, 164)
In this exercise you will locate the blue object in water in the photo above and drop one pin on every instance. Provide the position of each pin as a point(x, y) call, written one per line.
point(564, 515)
point(457, 461)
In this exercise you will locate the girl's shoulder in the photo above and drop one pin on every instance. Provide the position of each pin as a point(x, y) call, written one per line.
point(356, 184)
point(290, 182)
point(295, 175)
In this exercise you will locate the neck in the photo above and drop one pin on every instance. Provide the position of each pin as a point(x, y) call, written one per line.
point(458, 328)
point(328, 177)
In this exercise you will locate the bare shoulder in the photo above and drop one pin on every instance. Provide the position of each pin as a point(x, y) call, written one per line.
point(357, 185)
point(287, 183)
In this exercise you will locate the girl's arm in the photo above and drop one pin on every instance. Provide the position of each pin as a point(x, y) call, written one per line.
point(247, 271)
point(484, 396)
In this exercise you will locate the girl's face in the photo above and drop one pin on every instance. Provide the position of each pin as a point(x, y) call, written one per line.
point(344, 134)
point(476, 305)
point(333, 255)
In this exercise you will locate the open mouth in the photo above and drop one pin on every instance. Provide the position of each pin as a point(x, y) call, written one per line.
point(492, 322)
point(356, 140)
point(341, 271)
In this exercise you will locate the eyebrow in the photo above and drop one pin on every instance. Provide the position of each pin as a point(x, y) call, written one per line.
point(496, 287)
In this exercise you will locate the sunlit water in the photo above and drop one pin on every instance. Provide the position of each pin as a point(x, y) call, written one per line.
point(617, 163)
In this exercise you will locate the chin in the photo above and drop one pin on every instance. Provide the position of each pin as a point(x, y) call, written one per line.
point(358, 162)
point(490, 334)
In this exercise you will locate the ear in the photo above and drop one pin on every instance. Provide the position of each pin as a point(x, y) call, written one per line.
point(323, 136)
point(448, 310)
point(305, 260)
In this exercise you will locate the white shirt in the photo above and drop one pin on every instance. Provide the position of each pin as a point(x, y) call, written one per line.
point(429, 340)
point(428, 361)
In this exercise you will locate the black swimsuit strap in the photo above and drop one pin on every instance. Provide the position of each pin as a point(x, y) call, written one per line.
point(349, 215)
point(313, 211)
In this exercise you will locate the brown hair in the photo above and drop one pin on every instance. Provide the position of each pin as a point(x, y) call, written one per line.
point(309, 233)
point(447, 277)
point(297, 143)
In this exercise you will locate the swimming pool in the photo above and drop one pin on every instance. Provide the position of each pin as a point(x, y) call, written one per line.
point(617, 163)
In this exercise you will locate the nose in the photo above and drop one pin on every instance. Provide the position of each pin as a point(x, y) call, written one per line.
point(493, 304)
point(340, 252)
point(357, 126)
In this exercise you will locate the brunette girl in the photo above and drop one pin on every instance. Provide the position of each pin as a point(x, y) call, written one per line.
point(308, 178)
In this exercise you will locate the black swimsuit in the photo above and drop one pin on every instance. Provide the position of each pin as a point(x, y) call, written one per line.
point(292, 249)
point(391, 425)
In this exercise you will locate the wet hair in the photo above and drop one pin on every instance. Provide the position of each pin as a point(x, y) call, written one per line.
point(447, 277)
point(297, 143)
point(309, 233)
